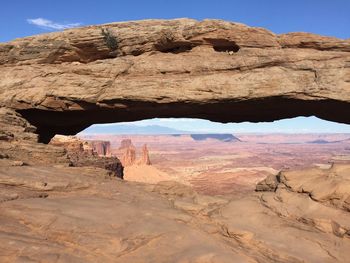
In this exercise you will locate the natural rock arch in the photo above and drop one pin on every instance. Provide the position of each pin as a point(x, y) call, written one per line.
point(49, 123)
point(222, 71)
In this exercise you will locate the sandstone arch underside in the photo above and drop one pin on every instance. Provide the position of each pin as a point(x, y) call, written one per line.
point(63, 82)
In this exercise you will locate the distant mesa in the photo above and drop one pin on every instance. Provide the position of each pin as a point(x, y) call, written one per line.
point(221, 137)
point(125, 143)
point(320, 141)
point(176, 135)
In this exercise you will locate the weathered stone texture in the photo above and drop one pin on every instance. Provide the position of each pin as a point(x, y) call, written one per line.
point(63, 82)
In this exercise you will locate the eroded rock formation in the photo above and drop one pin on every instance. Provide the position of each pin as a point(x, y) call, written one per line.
point(83, 153)
point(223, 71)
point(19, 142)
point(144, 158)
point(125, 143)
point(330, 187)
point(129, 155)
point(102, 148)
point(54, 209)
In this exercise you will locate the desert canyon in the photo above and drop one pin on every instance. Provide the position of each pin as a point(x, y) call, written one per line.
point(172, 198)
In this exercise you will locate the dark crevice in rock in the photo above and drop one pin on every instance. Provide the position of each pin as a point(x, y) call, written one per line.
point(89, 52)
point(136, 52)
point(47, 132)
point(226, 48)
point(223, 45)
point(174, 47)
point(178, 49)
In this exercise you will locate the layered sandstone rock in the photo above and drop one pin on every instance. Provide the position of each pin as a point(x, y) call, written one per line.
point(71, 144)
point(63, 82)
point(19, 142)
point(76, 214)
point(102, 148)
point(82, 153)
point(327, 186)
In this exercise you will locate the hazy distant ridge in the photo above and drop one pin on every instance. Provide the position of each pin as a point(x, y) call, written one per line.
point(133, 129)
point(221, 137)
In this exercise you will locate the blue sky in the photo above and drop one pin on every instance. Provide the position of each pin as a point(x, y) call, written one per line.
point(326, 17)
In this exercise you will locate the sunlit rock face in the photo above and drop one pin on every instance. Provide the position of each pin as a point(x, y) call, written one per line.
point(144, 158)
point(102, 148)
point(63, 82)
point(131, 156)
point(55, 209)
point(60, 83)
point(86, 153)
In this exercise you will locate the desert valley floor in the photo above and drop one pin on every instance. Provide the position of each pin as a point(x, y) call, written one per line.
point(228, 163)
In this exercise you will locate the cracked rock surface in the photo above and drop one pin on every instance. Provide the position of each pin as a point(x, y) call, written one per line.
point(81, 214)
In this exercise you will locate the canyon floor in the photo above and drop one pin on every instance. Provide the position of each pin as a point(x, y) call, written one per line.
point(207, 209)
point(215, 167)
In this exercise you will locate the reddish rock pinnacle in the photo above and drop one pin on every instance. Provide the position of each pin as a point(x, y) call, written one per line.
point(129, 156)
point(144, 156)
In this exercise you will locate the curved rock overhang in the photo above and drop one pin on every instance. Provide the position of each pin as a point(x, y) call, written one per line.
point(222, 71)
point(49, 123)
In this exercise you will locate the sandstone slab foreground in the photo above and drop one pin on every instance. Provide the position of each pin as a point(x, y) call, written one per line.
point(75, 214)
